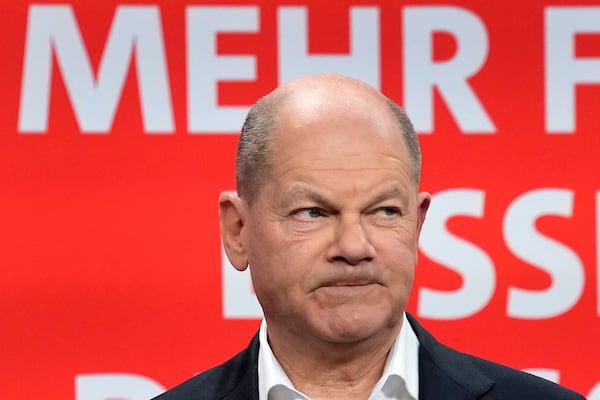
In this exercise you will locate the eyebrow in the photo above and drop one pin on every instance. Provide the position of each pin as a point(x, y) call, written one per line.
point(312, 195)
point(305, 193)
point(390, 194)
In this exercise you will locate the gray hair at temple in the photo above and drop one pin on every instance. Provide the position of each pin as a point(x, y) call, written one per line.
point(254, 156)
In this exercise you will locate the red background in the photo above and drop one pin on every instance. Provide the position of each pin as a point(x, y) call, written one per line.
point(109, 244)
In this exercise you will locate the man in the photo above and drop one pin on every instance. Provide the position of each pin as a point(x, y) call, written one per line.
point(327, 218)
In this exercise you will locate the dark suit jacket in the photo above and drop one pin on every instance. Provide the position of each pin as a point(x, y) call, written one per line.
point(444, 374)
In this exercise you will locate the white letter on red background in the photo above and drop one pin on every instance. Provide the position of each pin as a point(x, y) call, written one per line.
point(422, 74)
point(472, 263)
point(546, 373)
point(205, 67)
point(558, 260)
point(362, 63)
point(95, 101)
point(115, 386)
point(563, 70)
point(595, 393)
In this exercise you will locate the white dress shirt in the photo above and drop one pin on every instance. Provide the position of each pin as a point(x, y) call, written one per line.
point(399, 381)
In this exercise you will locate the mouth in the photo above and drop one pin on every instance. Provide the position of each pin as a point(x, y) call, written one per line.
point(350, 280)
point(349, 283)
point(346, 291)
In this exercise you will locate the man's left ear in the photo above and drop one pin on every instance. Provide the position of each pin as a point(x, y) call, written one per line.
point(232, 217)
point(423, 201)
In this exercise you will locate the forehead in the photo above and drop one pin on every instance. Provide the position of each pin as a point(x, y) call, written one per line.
point(337, 126)
point(341, 149)
point(321, 100)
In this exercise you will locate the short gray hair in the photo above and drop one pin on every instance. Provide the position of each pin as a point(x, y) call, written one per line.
point(254, 157)
point(410, 138)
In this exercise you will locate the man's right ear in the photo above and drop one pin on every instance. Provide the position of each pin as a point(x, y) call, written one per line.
point(232, 217)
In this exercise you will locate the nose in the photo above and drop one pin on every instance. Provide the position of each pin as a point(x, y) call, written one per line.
point(351, 244)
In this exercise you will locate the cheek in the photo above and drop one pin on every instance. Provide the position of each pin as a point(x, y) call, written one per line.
point(398, 240)
point(279, 283)
point(399, 255)
point(288, 270)
point(273, 264)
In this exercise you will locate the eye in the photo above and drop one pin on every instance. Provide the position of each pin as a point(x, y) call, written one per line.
point(310, 213)
point(388, 211)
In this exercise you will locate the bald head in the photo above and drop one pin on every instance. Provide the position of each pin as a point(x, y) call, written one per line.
point(312, 97)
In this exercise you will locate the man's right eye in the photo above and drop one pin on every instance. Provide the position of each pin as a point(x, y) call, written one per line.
point(310, 213)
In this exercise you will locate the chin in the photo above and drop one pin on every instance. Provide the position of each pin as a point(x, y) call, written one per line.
point(356, 328)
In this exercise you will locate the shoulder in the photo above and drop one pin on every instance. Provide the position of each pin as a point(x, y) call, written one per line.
point(511, 383)
point(476, 376)
point(234, 379)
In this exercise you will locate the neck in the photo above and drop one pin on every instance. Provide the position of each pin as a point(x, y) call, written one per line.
point(326, 370)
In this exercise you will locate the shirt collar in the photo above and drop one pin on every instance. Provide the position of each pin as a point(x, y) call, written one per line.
point(401, 370)
point(271, 376)
point(400, 374)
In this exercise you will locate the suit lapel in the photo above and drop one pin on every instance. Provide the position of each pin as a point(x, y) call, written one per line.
point(447, 374)
point(246, 387)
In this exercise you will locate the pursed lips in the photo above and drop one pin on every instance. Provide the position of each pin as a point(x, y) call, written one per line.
point(349, 282)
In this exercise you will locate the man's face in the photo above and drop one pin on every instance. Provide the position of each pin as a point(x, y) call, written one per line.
point(331, 237)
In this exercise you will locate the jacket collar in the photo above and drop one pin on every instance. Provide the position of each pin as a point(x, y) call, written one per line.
point(244, 377)
point(445, 373)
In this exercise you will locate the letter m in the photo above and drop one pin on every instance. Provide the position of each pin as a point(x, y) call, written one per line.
point(52, 29)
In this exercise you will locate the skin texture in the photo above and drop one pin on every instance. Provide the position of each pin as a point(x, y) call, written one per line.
point(331, 237)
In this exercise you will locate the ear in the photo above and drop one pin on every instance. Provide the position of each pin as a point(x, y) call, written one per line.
point(423, 201)
point(232, 217)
